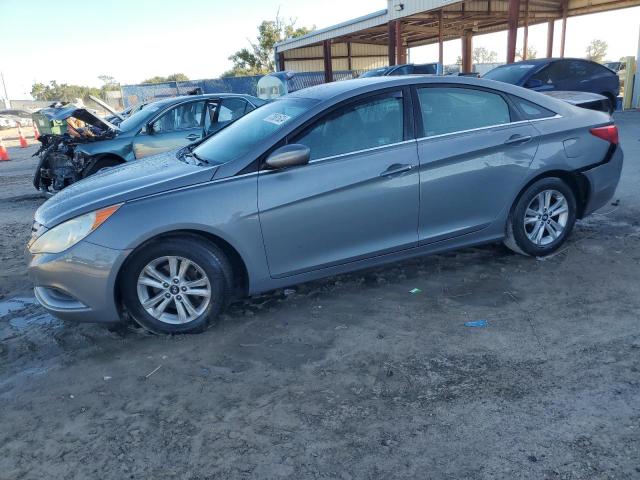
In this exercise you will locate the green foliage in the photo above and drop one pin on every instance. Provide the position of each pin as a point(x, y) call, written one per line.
point(531, 53)
point(597, 50)
point(482, 55)
point(174, 77)
point(63, 91)
point(258, 58)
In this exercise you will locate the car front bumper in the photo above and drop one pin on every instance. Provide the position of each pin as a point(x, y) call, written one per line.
point(78, 284)
point(603, 181)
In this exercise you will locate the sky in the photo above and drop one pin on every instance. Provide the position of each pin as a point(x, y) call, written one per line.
point(44, 40)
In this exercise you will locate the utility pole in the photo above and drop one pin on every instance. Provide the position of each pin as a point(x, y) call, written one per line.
point(6, 96)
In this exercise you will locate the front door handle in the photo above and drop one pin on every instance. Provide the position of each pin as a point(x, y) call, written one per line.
point(517, 139)
point(396, 168)
point(192, 137)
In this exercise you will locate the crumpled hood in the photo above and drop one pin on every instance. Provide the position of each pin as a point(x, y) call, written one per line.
point(62, 113)
point(132, 180)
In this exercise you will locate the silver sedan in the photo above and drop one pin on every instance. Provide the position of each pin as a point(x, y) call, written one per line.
point(327, 180)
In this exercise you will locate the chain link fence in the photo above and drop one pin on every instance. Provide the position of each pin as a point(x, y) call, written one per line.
point(133, 94)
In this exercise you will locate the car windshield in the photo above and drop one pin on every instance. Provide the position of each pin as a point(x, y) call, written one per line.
point(245, 133)
point(509, 73)
point(133, 120)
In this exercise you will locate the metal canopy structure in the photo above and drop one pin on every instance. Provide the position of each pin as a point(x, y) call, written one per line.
point(383, 37)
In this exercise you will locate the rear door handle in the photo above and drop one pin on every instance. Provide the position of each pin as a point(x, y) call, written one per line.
point(396, 168)
point(517, 139)
point(192, 137)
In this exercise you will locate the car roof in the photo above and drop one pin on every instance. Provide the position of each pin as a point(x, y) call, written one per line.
point(538, 61)
point(344, 89)
point(204, 96)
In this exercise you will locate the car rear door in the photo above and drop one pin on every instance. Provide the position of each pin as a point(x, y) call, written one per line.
point(358, 197)
point(174, 128)
point(474, 152)
point(224, 112)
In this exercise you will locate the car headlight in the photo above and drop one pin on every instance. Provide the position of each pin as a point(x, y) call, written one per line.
point(67, 234)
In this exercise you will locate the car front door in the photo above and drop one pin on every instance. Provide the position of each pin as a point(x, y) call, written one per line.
point(473, 157)
point(358, 197)
point(174, 128)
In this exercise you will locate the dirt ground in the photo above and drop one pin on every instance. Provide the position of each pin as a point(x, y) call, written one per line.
point(349, 377)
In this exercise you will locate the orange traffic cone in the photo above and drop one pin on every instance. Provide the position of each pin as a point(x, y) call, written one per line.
point(36, 133)
point(23, 141)
point(4, 155)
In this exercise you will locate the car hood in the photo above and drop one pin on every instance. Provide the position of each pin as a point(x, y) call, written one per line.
point(126, 182)
point(62, 113)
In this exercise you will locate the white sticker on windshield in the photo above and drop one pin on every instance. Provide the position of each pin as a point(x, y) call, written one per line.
point(277, 118)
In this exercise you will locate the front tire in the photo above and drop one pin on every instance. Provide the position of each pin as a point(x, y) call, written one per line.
point(542, 218)
point(177, 285)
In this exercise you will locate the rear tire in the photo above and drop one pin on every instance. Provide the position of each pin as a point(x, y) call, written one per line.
point(177, 285)
point(542, 218)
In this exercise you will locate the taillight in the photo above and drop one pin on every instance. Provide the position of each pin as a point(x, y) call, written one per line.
point(608, 133)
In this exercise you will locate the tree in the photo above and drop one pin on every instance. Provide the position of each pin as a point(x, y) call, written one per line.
point(174, 77)
point(258, 59)
point(482, 55)
point(597, 50)
point(531, 53)
point(63, 91)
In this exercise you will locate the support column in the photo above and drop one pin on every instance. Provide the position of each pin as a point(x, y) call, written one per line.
point(440, 39)
point(467, 47)
point(550, 26)
point(400, 50)
point(392, 42)
point(349, 66)
point(525, 40)
point(281, 65)
point(564, 27)
point(328, 63)
point(513, 16)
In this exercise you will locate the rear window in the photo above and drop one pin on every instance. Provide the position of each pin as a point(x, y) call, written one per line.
point(509, 73)
point(448, 110)
point(530, 110)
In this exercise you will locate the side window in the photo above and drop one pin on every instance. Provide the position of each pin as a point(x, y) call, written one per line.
point(182, 117)
point(429, 69)
point(448, 110)
point(597, 71)
point(232, 109)
point(371, 123)
point(580, 70)
point(553, 73)
point(210, 115)
point(531, 110)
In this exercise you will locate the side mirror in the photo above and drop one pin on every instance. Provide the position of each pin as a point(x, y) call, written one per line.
point(288, 156)
point(534, 83)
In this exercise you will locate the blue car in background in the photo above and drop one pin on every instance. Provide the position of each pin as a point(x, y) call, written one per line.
point(549, 74)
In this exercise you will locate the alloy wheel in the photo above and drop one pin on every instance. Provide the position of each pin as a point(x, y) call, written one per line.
point(546, 217)
point(174, 289)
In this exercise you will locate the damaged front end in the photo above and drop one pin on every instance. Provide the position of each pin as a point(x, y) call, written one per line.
point(63, 128)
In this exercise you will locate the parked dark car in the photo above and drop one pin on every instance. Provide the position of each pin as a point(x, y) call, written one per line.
point(160, 126)
point(405, 69)
point(547, 74)
point(326, 180)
